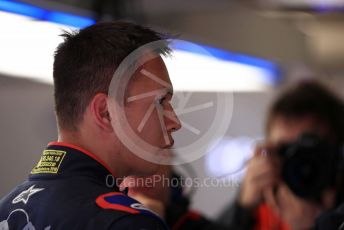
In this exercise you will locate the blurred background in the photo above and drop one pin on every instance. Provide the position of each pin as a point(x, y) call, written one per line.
point(255, 47)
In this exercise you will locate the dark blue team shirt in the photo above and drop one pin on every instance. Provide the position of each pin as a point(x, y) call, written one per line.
point(71, 189)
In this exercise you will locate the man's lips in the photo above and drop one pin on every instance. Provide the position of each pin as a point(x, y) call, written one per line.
point(170, 145)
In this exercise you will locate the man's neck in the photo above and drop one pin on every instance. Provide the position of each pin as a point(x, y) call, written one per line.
point(86, 143)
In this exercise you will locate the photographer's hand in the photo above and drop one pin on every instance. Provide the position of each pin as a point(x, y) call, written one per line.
point(262, 174)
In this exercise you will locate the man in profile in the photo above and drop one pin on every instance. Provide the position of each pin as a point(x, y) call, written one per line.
point(68, 188)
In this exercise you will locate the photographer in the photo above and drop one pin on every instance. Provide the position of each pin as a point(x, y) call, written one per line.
point(266, 201)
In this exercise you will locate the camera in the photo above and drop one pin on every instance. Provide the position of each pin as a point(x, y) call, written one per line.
point(310, 165)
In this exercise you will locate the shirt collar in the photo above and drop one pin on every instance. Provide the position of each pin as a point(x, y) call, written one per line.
point(61, 159)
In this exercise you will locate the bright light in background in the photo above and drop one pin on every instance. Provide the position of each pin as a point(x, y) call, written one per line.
point(314, 3)
point(229, 157)
point(195, 67)
point(27, 47)
point(38, 13)
point(196, 72)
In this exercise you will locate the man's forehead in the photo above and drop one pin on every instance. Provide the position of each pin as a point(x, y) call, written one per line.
point(152, 75)
point(285, 129)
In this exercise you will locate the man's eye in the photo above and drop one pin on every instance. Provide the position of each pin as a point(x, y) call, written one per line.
point(161, 100)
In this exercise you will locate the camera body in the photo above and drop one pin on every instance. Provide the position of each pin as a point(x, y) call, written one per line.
point(310, 165)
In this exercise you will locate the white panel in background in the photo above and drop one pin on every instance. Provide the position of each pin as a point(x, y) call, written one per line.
point(27, 46)
point(27, 50)
point(196, 72)
point(306, 3)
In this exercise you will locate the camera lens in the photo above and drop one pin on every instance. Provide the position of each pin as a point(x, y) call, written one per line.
point(309, 166)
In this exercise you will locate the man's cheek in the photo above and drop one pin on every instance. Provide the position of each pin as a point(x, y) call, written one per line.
point(134, 117)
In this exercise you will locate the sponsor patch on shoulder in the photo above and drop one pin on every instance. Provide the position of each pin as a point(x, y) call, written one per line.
point(121, 202)
point(117, 201)
point(50, 162)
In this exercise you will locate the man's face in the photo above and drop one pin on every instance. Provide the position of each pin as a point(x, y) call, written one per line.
point(284, 130)
point(298, 213)
point(149, 112)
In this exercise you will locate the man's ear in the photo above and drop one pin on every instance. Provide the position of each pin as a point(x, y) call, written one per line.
point(100, 112)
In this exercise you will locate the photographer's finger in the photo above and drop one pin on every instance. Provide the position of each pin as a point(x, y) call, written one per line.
point(264, 150)
point(266, 180)
point(269, 195)
point(259, 166)
point(252, 189)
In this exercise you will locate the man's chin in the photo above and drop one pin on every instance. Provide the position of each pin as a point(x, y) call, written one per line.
point(164, 157)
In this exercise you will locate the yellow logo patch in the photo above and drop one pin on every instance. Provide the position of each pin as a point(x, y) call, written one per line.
point(50, 162)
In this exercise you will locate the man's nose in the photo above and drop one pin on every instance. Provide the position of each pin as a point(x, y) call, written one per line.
point(173, 123)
